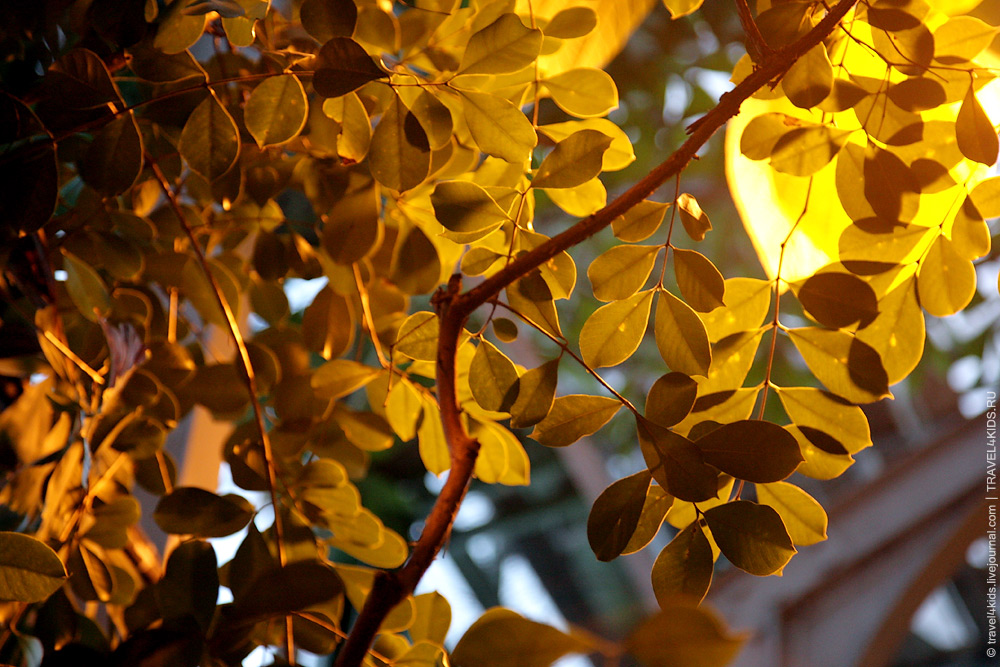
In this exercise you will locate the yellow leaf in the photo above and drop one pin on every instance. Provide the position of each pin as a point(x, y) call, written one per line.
point(498, 127)
point(681, 337)
point(575, 160)
point(946, 281)
point(810, 78)
point(621, 271)
point(804, 518)
point(847, 366)
point(506, 45)
point(613, 332)
point(584, 92)
point(573, 417)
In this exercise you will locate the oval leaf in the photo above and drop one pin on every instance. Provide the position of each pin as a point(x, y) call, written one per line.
point(188, 510)
point(573, 417)
point(751, 536)
point(615, 515)
point(276, 110)
point(30, 571)
point(756, 451)
point(684, 567)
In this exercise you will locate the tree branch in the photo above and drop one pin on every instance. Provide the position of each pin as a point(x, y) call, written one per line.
point(454, 308)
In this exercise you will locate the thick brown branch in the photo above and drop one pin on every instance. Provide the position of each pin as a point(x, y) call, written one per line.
point(454, 309)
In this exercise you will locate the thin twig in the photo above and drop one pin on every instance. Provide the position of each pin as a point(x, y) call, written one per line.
point(248, 376)
point(454, 307)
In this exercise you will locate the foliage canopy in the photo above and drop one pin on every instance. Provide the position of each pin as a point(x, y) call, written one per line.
point(169, 166)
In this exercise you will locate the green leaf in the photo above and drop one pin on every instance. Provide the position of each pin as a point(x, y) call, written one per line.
point(536, 392)
point(694, 219)
point(466, 208)
point(757, 451)
point(503, 46)
point(400, 155)
point(493, 378)
point(502, 638)
point(838, 300)
point(621, 271)
point(681, 336)
point(575, 160)
point(326, 19)
point(682, 635)
point(804, 518)
point(613, 332)
point(584, 92)
point(946, 281)
point(639, 222)
point(684, 567)
point(276, 110)
point(188, 510)
point(751, 536)
point(114, 158)
point(85, 287)
point(573, 417)
point(498, 127)
point(848, 367)
point(701, 284)
point(210, 140)
point(30, 571)
point(342, 66)
point(340, 377)
point(671, 399)
point(676, 463)
point(615, 515)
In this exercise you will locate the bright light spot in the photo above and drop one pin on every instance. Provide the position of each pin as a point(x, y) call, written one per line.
point(942, 623)
point(476, 510)
point(444, 577)
point(676, 98)
point(433, 483)
point(712, 81)
point(978, 553)
point(61, 275)
point(964, 373)
point(483, 549)
point(301, 292)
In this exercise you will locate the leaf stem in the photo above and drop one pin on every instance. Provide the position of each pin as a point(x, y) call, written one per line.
point(249, 377)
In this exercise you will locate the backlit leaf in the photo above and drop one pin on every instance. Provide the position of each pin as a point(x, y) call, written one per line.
point(804, 518)
point(848, 367)
point(326, 19)
point(805, 150)
point(694, 219)
point(961, 39)
point(210, 140)
point(418, 336)
point(400, 155)
point(536, 392)
point(502, 638)
point(498, 127)
point(402, 409)
point(684, 567)
point(340, 377)
point(464, 207)
point(613, 332)
point(276, 110)
point(531, 298)
point(430, 434)
point(897, 334)
point(679, 8)
point(969, 232)
point(751, 536)
point(571, 22)
point(342, 65)
point(747, 303)
point(838, 300)
point(639, 222)
point(621, 271)
point(572, 417)
point(946, 281)
point(584, 92)
point(756, 451)
point(493, 378)
point(85, 287)
point(188, 510)
point(681, 336)
point(676, 463)
point(700, 283)
point(114, 158)
point(30, 570)
point(619, 154)
point(986, 197)
point(977, 138)
point(817, 409)
point(654, 511)
point(671, 398)
point(575, 160)
point(682, 635)
point(615, 515)
point(810, 78)
point(503, 46)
